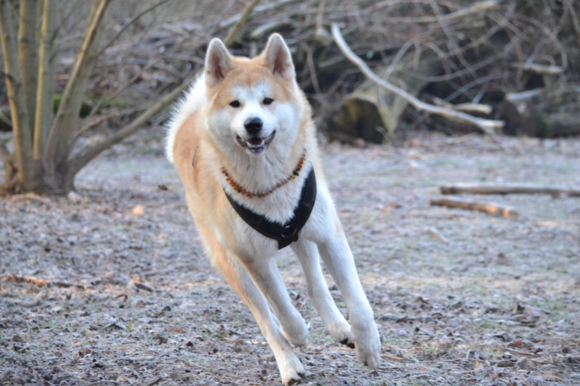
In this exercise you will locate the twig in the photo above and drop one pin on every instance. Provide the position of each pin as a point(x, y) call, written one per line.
point(397, 59)
point(509, 189)
point(100, 120)
point(90, 152)
point(392, 357)
point(229, 39)
point(570, 5)
point(487, 208)
point(485, 125)
point(232, 20)
point(4, 153)
point(524, 95)
point(476, 8)
point(5, 119)
point(467, 107)
point(539, 68)
point(120, 90)
point(41, 282)
point(311, 68)
point(144, 287)
point(137, 17)
point(154, 382)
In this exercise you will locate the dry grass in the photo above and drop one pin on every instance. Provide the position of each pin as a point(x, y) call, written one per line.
point(460, 297)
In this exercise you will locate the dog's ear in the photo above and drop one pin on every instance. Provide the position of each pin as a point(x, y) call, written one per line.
point(278, 59)
point(218, 62)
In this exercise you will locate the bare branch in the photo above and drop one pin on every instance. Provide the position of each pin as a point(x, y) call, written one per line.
point(28, 53)
point(130, 23)
point(95, 122)
point(229, 39)
point(4, 153)
point(232, 20)
point(78, 74)
point(510, 189)
point(18, 108)
point(487, 126)
point(475, 8)
point(46, 68)
point(539, 68)
point(489, 208)
point(87, 154)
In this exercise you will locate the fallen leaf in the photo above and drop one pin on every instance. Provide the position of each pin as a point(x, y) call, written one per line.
point(138, 210)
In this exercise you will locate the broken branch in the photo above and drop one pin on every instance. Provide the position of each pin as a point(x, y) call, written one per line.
point(509, 189)
point(41, 282)
point(486, 125)
point(487, 208)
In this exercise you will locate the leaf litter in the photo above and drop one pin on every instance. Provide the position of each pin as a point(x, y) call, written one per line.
point(110, 285)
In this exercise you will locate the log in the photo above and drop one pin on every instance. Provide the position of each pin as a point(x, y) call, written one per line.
point(535, 113)
point(489, 208)
point(370, 112)
point(509, 189)
point(485, 125)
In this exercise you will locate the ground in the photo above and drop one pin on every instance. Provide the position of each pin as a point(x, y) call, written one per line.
point(111, 286)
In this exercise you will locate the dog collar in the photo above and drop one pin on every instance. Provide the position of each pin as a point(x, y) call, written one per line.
point(288, 233)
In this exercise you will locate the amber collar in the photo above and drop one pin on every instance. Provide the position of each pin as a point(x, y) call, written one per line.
point(265, 193)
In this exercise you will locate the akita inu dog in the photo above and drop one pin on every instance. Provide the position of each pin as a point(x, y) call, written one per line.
point(244, 145)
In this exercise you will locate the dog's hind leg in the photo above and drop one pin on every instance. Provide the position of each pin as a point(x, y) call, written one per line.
point(268, 279)
point(339, 261)
point(289, 365)
point(338, 327)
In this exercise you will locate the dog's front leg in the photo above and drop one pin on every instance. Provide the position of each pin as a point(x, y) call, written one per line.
point(291, 370)
point(338, 259)
point(268, 279)
point(338, 327)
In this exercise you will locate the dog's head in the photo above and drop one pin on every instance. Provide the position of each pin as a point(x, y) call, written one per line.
point(254, 104)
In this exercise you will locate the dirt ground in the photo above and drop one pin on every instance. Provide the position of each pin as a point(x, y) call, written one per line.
point(110, 286)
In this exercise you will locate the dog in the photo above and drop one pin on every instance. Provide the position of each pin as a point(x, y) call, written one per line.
point(244, 145)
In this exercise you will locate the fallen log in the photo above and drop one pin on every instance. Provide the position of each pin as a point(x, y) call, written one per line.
point(41, 282)
point(489, 208)
point(536, 113)
point(509, 189)
point(485, 125)
point(370, 112)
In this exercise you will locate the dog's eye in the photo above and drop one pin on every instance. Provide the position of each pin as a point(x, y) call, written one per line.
point(268, 101)
point(235, 104)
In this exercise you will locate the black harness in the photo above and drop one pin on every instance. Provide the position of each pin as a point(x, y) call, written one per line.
point(288, 233)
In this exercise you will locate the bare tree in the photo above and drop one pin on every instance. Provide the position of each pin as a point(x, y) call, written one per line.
point(45, 158)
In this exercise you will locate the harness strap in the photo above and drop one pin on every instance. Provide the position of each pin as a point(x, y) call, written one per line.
point(288, 233)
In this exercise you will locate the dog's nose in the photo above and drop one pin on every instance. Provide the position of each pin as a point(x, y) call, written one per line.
point(253, 125)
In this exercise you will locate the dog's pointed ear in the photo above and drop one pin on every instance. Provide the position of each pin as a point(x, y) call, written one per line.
point(278, 59)
point(218, 62)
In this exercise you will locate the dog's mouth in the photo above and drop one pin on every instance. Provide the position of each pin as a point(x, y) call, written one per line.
point(256, 145)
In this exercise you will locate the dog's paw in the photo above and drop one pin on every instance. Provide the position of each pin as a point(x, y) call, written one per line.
point(292, 372)
point(342, 334)
point(296, 333)
point(368, 345)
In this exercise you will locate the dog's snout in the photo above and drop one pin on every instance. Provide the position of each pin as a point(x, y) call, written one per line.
point(253, 125)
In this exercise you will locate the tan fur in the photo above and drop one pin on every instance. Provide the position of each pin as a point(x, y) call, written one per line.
point(204, 194)
point(243, 255)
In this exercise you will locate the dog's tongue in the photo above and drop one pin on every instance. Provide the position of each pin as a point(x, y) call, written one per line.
point(255, 141)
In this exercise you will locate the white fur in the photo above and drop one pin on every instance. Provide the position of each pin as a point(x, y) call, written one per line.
point(256, 277)
point(193, 101)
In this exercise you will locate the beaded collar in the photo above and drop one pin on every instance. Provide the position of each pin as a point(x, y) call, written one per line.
point(261, 194)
